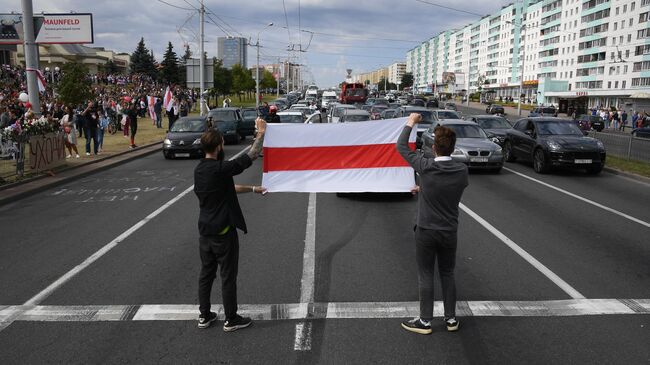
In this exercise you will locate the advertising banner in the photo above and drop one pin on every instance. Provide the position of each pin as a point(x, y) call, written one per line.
point(49, 28)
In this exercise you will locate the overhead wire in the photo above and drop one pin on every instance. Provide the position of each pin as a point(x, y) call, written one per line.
point(172, 5)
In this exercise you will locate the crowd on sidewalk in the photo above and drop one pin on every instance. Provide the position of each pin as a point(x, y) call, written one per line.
point(118, 102)
point(618, 120)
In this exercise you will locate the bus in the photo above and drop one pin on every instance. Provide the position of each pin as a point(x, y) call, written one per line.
point(352, 93)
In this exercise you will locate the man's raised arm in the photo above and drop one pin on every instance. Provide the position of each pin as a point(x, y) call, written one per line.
point(413, 158)
point(256, 148)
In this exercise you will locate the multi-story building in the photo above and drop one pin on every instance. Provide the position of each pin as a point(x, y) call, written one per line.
point(396, 71)
point(232, 51)
point(571, 53)
point(392, 73)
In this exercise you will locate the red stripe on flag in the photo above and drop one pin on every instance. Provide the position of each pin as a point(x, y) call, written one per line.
point(333, 157)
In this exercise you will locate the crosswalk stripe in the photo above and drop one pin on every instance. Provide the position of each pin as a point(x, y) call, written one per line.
point(333, 310)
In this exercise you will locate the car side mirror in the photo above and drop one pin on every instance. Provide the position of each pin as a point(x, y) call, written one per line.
point(529, 133)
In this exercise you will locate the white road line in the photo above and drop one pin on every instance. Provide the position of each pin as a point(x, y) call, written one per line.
point(525, 255)
point(303, 329)
point(611, 210)
point(332, 310)
point(43, 294)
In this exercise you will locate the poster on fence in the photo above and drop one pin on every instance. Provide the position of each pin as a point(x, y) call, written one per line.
point(46, 152)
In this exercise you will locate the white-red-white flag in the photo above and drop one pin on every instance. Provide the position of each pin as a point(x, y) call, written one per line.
point(341, 157)
point(167, 99)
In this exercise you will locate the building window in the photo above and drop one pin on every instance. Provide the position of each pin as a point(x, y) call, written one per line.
point(623, 85)
point(609, 84)
point(615, 84)
point(641, 81)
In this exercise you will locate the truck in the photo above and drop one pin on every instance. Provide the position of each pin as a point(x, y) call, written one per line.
point(352, 93)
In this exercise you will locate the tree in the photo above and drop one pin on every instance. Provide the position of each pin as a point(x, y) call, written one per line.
point(267, 81)
point(170, 69)
point(188, 53)
point(74, 87)
point(142, 61)
point(385, 85)
point(110, 67)
point(242, 80)
point(222, 78)
point(407, 80)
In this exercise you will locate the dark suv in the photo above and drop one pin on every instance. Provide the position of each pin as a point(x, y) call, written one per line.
point(545, 111)
point(228, 121)
point(495, 109)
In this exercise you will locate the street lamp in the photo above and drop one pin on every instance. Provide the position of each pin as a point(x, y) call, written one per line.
point(257, 68)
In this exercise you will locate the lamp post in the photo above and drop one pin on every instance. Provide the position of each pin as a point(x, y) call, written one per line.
point(257, 69)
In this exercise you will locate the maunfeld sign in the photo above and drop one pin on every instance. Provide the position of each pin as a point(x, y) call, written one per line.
point(66, 28)
point(49, 28)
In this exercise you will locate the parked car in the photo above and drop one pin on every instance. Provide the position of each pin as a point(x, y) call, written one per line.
point(546, 111)
point(247, 125)
point(588, 122)
point(494, 126)
point(354, 115)
point(495, 109)
point(641, 132)
point(292, 116)
point(550, 142)
point(228, 121)
point(388, 114)
point(336, 112)
point(473, 147)
point(184, 138)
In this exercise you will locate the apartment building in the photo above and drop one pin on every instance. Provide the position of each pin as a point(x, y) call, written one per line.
point(570, 53)
point(395, 72)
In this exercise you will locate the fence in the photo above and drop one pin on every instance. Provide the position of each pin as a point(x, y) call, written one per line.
point(8, 155)
point(624, 145)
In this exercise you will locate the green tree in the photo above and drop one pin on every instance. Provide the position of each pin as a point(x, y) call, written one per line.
point(242, 81)
point(110, 67)
point(74, 87)
point(384, 84)
point(222, 79)
point(188, 53)
point(170, 69)
point(267, 81)
point(407, 80)
point(142, 60)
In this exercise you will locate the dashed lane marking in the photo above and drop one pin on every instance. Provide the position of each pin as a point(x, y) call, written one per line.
point(611, 210)
point(303, 329)
point(331, 310)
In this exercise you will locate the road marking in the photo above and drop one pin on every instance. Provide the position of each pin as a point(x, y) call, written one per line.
point(332, 310)
point(303, 329)
point(525, 255)
point(611, 210)
point(43, 294)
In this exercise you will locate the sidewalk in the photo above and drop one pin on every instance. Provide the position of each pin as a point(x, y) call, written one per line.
point(24, 188)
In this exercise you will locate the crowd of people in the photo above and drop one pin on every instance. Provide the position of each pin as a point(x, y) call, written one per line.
point(618, 119)
point(118, 102)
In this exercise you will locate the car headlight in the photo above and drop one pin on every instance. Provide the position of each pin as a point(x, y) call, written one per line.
point(495, 139)
point(167, 142)
point(553, 146)
point(457, 152)
point(197, 141)
point(600, 145)
point(498, 149)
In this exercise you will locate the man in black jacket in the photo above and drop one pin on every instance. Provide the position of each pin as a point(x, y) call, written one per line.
point(442, 182)
point(219, 218)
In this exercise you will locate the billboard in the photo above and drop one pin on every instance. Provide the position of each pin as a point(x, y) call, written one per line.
point(74, 28)
point(193, 68)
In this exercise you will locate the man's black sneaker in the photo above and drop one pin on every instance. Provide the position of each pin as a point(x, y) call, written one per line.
point(236, 323)
point(206, 320)
point(452, 324)
point(418, 326)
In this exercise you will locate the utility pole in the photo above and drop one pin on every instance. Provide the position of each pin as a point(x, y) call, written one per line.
point(277, 90)
point(31, 56)
point(202, 53)
point(257, 69)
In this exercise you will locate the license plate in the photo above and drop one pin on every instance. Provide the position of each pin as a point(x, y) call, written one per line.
point(478, 159)
point(182, 155)
point(582, 161)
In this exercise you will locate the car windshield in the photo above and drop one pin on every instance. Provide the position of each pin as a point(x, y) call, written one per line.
point(329, 97)
point(188, 126)
point(357, 118)
point(355, 92)
point(493, 123)
point(249, 114)
point(223, 115)
point(291, 118)
point(467, 131)
point(378, 109)
point(552, 127)
point(447, 115)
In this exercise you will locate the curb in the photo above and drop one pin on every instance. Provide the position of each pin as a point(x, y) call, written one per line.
point(629, 175)
point(13, 196)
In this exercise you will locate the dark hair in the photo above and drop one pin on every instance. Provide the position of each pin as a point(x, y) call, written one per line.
point(211, 139)
point(445, 141)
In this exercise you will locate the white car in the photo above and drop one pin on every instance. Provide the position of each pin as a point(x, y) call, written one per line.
point(336, 112)
point(291, 116)
point(328, 98)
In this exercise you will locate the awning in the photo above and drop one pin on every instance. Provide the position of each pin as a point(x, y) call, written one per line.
point(640, 95)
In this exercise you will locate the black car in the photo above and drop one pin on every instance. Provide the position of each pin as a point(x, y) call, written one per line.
point(550, 142)
point(428, 118)
point(228, 121)
point(433, 103)
point(641, 132)
point(546, 111)
point(417, 102)
point(495, 109)
point(494, 126)
point(247, 125)
point(184, 139)
point(587, 122)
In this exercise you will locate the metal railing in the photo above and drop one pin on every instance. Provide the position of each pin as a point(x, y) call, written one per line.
point(624, 145)
point(8, 160)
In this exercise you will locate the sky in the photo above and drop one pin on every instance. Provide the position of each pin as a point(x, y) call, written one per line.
point(361, 35)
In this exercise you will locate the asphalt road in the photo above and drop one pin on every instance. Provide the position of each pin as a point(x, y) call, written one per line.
point(550, 269)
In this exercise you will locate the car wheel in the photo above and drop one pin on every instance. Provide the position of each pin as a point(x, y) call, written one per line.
point(167, 155)
point(540, 164)
point(595, 169)
point(507, 151)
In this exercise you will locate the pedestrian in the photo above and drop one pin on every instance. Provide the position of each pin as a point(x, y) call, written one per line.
point(273, 117)
point(133, 120)
point(219, 218)
point(623, 120)
point(157, 108)
point(226, 102)
point(91, 124)
point(126, 121)
point(103, 126)
point(635, 118)
point(442, 182)
point(183, 109)
point(69, 128)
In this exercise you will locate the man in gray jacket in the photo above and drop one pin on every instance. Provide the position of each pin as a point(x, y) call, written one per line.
point(442, 182)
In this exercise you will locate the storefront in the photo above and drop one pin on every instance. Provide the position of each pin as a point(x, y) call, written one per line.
point(503, 92)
